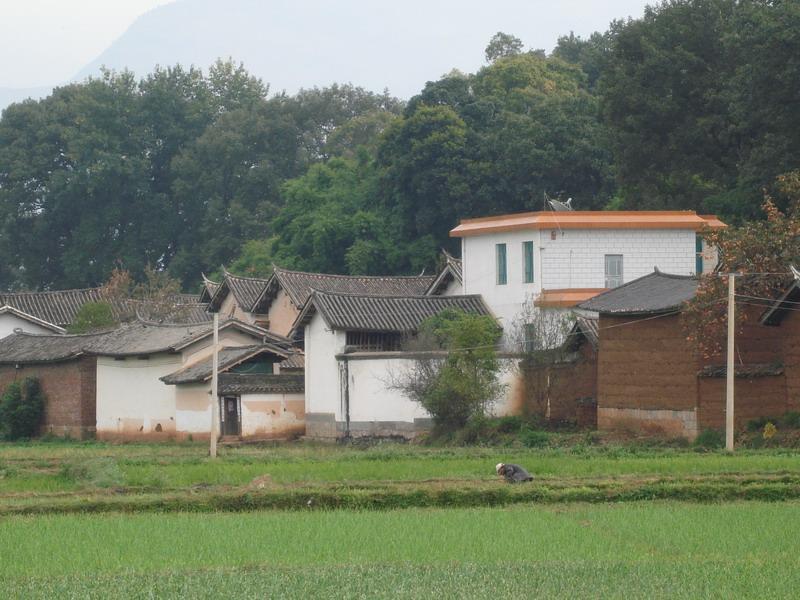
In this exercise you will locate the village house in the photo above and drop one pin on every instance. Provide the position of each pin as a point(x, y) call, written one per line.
point(559, 259)
point(353, 353)
point(287, 292)
point(108, 383)
point(260, 389)
point(652, 379)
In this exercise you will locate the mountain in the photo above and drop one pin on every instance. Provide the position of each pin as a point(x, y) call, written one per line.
point(304, 43)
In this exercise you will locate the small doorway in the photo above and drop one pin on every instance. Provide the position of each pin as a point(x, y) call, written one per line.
point(231, 421)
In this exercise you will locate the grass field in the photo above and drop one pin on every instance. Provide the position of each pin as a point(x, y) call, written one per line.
point(642, 550)
point(63, 477)
point(95, 520)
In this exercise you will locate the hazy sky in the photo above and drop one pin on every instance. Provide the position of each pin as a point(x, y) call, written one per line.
point(46, 42)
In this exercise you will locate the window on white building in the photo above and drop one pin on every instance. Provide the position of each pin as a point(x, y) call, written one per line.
point(613, 270)
point(527, 254)
point(698, 261)
point(502, 271)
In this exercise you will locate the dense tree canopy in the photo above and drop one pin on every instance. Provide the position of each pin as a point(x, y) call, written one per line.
point(700, 98)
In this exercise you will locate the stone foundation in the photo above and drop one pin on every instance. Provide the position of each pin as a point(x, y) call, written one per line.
point(324, 426)
point(670, 423)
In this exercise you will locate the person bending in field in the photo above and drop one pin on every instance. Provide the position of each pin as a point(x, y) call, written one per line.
point(513, 473)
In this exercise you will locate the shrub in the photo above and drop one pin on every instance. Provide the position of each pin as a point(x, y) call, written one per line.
point(757, 424)
point(791, 420)
point(532, 438)
point(769, 431)
point(710, 439)
point(456, 376)
point(96, 472)
point(93, 316)
point(509, 424)
point(22, 409)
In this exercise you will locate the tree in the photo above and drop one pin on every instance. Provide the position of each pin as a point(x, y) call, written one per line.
point(589, 54)
point(455, 376)
point(697, 97)
point(542, 337)
point(22, 409)
point(329, 222)
point(755, 248)
point(502, 45)
point(93, 316)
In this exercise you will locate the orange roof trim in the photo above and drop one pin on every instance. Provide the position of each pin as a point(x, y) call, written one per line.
point(566, 298)
point(668, 219)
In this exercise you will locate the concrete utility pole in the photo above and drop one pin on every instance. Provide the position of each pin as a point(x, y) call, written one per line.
point(212, 451)
point(731, 369)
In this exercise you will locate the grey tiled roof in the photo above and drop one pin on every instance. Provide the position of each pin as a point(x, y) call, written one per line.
point(299, 285)
point(127, 340)
point(655, 293)
point(228, 358)
point(398, 314)
point(56, 307)
point(60, 307)
point(452, 270)
point(295, 362)
point(246, 290)
point(238, 383)
point(208, 290)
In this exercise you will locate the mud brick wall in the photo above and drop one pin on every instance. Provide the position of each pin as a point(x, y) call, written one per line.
point(791, 358)
point(569, 384)
point(70, 390)
point(646, 365)
point(754, 397)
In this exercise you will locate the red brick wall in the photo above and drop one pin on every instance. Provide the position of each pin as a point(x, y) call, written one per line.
point(568, 383)
point(645, 364)
point(70, 390)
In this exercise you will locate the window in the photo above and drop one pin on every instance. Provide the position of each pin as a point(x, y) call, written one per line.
point(527, 256)
point(613, 270)
point(698, 261)
point(368, 341)
point(502, 276)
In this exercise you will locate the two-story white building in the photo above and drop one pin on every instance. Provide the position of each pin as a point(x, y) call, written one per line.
point(559, 259)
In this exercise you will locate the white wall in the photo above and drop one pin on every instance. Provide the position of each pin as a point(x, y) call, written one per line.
point(263, 415)
point(272, 415)
point(131, 400)
point(193, 408)
point(371, 395)
point(372, 398)
point(9, 322)
point(574, 259)
point(322, 369)
point(453, 288)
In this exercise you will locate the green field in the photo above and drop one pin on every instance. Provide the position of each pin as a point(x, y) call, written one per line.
point(163, 520)
point(644, 550)
point(63, 477)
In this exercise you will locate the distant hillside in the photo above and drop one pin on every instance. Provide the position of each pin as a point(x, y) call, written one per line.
point(306, 43)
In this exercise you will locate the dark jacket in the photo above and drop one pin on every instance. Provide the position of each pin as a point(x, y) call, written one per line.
point(515, 473)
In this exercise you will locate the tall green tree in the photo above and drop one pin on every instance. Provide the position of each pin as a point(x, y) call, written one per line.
point(699, 97)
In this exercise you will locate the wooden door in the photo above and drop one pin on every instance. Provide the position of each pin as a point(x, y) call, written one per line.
point(230, 415)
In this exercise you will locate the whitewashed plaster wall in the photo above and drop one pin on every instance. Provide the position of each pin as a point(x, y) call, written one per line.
point(130, 397)
point(9, 322)
point(321, 368)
